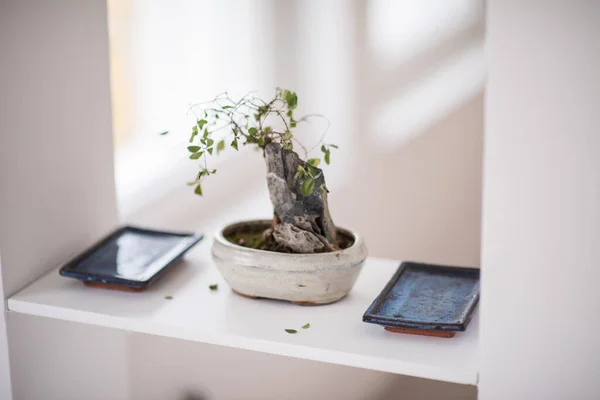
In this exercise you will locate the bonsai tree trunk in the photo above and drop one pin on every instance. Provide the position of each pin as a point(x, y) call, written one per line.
point(302, 224)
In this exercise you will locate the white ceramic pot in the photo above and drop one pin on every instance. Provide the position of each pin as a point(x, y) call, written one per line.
point(300, 278)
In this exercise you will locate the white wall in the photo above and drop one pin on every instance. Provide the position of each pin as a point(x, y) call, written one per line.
point(541, 214)
point(56, 175)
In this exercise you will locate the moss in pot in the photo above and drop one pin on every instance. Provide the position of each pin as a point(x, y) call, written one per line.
point(299, 255)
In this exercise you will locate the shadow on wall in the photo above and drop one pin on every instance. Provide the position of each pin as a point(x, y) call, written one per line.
point(263, 376)
point(422, 200)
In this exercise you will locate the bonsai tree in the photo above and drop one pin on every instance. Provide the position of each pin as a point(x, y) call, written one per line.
point(302, 222)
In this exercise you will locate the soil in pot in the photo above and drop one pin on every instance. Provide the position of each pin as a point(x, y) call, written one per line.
point(259, 236)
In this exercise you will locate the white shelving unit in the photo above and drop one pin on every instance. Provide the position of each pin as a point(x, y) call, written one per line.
point(337, 334)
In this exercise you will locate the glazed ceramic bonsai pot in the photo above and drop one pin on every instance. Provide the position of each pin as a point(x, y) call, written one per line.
point(307, 279)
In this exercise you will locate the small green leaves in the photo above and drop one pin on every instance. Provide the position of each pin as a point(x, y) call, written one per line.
point(327, 152)
point(273, 122)
point(314, 162)
point(194, 133)
point(291, 99)
point(307, 186)
point(198, 176)
point(294, 331)
point(168, 297)
point(201, 123)
point(214, 287)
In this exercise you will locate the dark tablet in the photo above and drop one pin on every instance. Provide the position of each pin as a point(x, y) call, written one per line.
point(130, 257)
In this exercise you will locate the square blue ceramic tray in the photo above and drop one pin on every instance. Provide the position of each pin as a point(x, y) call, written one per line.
point(427, 299)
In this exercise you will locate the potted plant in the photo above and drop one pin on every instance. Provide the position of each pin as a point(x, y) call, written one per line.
point(299, 255)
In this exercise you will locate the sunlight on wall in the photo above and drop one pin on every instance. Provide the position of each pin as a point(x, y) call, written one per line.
point(119, 19)
point(429, 60)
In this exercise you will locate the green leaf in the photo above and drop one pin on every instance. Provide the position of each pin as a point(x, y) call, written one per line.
point(214, 171)
point(314, 162)
point(287, 136)
point(234, 144)
point(198, 176)
point(196, 156)
point(306, 326)
point(194, 133)
point(293, 124)
point(214, 287)
point(288, 146)
point(205, 136)
point(267, 129)
point(169, 297)
point(209, 142)
point(220, 146)
point(327, 157)
point(198, 190)
point(226, 107)
point(261, 141)
point(210, 150)
point(291, 99)
point(307, 187)
point(163, 133)
point(323, 149)
point(201, 123)
point(252, 131)
point(334, 146)
point(217, 116)
point(291, 331)
point(194, 149)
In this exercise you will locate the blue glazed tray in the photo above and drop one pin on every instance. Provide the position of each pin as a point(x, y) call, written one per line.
point(427, 299)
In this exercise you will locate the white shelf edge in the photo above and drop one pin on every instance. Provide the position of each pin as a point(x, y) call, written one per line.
point(244, 343)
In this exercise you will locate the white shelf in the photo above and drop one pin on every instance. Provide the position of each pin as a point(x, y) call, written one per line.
point(337, 334)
